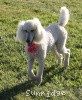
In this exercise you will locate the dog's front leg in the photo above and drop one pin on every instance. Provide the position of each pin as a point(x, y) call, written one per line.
point(40, 71)
point(41, 63)
point(30, 68)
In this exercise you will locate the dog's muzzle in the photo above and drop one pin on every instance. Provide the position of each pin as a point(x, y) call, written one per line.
point(30, 38)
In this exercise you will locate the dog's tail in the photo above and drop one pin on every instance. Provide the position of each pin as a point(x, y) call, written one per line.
point(64, 16)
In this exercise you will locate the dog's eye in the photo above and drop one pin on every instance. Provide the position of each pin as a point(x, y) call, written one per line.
point(32, 31)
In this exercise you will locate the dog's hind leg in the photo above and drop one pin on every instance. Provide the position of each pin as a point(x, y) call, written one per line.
point(67, 56)
point(59, 56)
point(65, 51)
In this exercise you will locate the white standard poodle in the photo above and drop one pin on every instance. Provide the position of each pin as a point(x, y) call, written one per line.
point(31, 32)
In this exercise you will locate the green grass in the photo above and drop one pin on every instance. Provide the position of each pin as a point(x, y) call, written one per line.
point(14, 80)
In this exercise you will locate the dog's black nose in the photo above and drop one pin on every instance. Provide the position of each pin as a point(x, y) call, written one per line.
point(28, 41)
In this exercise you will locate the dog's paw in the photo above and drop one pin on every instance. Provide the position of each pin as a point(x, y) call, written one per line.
point(38, 80)
point(32, 77)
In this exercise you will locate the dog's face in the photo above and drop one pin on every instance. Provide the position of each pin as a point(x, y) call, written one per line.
point(32, 29)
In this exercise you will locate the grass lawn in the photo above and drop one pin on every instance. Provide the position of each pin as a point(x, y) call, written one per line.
point(58, 83)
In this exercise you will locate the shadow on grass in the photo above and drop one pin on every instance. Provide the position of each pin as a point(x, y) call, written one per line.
point(9, 94)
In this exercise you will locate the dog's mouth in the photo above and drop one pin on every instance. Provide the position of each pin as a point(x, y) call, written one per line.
point(30, 39)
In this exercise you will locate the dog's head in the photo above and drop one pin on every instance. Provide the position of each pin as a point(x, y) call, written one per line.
point(30, 31)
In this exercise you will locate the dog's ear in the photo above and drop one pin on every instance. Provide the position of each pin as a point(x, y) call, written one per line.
point(37, 22)
point(21, 36)
point(39, 30)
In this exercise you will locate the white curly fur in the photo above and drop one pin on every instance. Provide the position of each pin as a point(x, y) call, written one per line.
point(52, 37)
